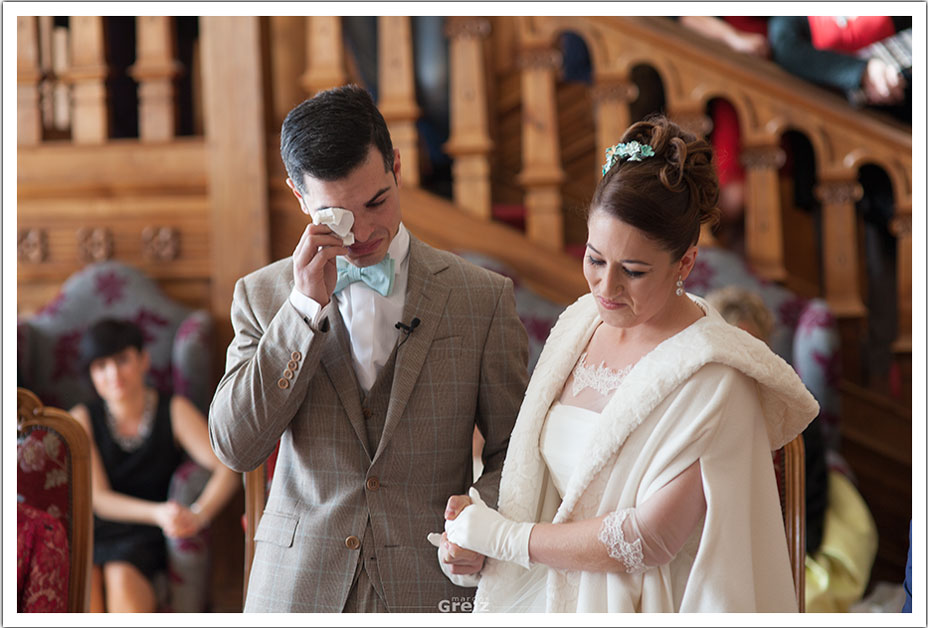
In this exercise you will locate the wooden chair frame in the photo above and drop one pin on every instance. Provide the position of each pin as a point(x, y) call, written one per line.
point(32, 413)
point(794, 513)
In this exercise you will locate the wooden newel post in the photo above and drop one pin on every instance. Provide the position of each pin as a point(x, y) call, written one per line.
point(541, 175)
point(397, 90)
point(28, 76)
point(469, 143)
point(763, 219)
point(839, 246)
point(325, 54)
point(87, 75)
point(155, 70)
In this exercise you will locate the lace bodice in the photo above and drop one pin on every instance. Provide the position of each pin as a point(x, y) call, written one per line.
point(565, 438)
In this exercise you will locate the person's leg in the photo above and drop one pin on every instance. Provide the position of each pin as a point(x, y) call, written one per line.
point(96, 590)
point(127, 589)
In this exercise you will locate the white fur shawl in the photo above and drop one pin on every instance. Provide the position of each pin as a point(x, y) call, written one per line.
point(786, 404)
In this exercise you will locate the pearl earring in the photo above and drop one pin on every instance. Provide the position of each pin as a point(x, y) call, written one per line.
point(679, 289)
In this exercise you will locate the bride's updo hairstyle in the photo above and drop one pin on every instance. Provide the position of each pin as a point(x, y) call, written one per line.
point(667, 196)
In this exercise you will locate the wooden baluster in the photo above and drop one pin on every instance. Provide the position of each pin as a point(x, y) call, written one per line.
point(839, 245)
point(541, 175)
point(287, 33)
point(325, 54)
point(61, 91)
point(397, 90)
point(469, 143)
point(763, 220)
point(28, 76)
point(611, 98)
point(901, 227)
point(46, 89)
point(90, 119)
point(155, 69)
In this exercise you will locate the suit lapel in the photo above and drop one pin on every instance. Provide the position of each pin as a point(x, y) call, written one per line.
point(425, 300)
point(336, 359)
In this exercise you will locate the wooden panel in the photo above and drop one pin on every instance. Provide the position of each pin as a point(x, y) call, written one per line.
point(877, 444)
point(119, 167)
point(34, 294)
point(125, 219)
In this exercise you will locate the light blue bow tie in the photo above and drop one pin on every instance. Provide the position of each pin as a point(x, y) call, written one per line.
point(378, 277)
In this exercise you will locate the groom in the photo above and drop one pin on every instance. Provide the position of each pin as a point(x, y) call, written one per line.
point(370, 362)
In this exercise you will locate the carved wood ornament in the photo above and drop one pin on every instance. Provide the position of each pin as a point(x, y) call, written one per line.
point(160, 243)
point(94, 244)
point(32, 246)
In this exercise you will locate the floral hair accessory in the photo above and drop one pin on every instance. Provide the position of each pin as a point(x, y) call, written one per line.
point(630, 151)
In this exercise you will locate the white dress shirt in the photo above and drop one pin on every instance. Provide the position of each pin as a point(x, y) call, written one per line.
point(370, 317)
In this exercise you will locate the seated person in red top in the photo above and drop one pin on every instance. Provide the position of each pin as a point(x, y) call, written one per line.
point(832, 51)
point(138, 438)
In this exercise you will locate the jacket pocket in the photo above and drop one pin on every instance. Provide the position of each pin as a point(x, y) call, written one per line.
point(277, 528)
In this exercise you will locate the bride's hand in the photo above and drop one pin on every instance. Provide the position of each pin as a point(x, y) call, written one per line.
point(460, 561)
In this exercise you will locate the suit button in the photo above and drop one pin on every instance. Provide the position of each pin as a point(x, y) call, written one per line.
point(293, 365)
point(283, 383)
point(288, 373)
point(352, 542)
point(366, 412)
point(296, 355)
point(373, 483)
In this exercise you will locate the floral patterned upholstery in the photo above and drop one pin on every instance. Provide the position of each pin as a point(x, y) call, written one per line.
point(179, 341)
point(42, 563)
point(53, 508)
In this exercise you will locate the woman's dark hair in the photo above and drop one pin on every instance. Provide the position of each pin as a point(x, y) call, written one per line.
point(329, 135)
point(108, 337)
point(667, 196)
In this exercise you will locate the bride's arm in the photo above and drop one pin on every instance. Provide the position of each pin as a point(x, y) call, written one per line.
point(627, 540)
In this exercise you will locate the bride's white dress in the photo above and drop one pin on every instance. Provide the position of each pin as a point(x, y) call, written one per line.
point(565, 440)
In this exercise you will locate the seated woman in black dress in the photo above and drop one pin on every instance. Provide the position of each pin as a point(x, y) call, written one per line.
point(138, 438)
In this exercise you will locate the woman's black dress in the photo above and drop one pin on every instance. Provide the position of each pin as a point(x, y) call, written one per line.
point(144, 473)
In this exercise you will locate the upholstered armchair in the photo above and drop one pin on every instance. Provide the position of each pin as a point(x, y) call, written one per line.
point(179, 340)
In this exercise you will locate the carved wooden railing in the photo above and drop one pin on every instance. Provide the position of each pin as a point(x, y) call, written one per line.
point(694, 70)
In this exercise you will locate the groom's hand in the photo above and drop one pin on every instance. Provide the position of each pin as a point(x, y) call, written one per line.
point(461, 561)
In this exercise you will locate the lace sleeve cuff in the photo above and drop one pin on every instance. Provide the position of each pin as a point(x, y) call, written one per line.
point(613, 538)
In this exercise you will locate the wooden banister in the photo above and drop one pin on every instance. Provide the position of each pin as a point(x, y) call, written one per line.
point(769, 102)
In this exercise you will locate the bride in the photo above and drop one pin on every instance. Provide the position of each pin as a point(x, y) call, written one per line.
point(639, 474)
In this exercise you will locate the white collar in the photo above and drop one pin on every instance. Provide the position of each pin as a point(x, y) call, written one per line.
point(399, 247)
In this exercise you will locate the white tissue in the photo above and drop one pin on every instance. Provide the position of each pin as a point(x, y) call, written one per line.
point(339, 220)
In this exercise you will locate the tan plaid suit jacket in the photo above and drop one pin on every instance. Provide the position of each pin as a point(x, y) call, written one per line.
point(465, 364)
